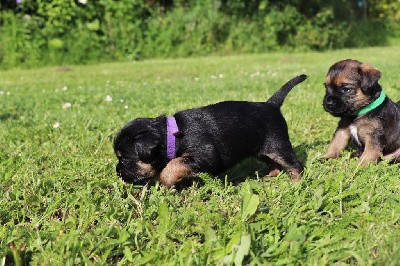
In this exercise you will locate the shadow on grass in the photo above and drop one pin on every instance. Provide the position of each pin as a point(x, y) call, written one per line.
point(302, 149)
point(251, 168)
point(8, 116)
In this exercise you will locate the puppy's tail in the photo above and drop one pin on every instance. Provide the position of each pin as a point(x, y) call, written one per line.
point(280, 95)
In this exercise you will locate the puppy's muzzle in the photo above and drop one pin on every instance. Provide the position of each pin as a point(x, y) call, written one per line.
point(134, 174)
point(329, 103)
point(335, 106)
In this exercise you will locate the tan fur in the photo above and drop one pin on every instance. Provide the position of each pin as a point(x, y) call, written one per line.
point(339, 142)
point(295, 175)
point(360, 100)
point(175, 171)
point(328, 79)
point(340, 80)
point(145, 169)
point(366, 129)
point(275, 169)
point(370, 71)
point(274, 172)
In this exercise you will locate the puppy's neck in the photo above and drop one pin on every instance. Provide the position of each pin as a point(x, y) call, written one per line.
point(373, 105)
point(172, 132)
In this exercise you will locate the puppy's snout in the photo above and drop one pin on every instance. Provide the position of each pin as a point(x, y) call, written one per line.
point(329, 101)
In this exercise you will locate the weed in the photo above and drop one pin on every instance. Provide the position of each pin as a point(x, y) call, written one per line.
point(62, 203)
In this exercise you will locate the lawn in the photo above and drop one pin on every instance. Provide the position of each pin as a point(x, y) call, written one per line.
point(61, 202)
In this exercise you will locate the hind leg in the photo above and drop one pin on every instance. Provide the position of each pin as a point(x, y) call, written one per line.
point(284, 156)
point(274, 168)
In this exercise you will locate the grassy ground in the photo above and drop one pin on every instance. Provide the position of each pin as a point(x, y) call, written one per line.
point(62, 204)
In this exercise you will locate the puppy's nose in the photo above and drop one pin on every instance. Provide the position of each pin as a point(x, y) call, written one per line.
point(329, 101)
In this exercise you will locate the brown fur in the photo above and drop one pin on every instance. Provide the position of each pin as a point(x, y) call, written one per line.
point(145, 169)
point(175, 172)
point(360, 100)
point(366, 128)
point(339, 142)
point(295, 175)
point(350, 86)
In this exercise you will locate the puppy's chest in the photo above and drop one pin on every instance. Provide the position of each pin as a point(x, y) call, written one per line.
point(354, 134)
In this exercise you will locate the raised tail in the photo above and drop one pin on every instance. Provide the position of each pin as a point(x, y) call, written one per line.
point(280, 95)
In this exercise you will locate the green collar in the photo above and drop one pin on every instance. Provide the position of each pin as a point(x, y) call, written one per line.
point(372, 105)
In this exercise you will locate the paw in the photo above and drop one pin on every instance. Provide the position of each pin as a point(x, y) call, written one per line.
point(329, 155)
point(295, 176)
point(365, 160)
point(273, 172)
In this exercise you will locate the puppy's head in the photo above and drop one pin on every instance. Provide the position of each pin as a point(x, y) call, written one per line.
point(350, 85)
point(138, 147)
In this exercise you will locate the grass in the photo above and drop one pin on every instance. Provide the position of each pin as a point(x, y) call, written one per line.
point(62, 204)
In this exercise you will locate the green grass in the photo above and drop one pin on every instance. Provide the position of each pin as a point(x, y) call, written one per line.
point(61, 202)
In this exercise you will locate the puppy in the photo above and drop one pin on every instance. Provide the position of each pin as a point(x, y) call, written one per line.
point(207, 139)
point(368, 117)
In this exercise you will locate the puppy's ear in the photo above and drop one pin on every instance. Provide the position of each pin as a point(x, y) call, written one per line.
point(370, 76)
point(147, 149)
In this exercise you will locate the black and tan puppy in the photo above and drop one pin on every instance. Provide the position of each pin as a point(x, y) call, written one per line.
point(207, 139)
point(368, 117)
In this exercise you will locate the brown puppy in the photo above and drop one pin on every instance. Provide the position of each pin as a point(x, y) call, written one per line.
point(368, 117)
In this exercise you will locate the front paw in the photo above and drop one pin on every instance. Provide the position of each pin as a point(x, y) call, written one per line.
point(366, 159)
point(329, 155)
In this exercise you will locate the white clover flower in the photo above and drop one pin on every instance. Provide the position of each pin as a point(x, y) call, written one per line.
point(126, 106)
point(108, 98)
point(221, 76)
point(56, 125)
point(255, 74)
point(64, 88)
point(66, 106)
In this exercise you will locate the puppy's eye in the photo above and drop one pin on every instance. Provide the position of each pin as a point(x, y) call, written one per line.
point(124, 161)
point(346, 89)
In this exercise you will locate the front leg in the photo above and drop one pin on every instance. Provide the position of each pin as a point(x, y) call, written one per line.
point(204, 159)
point(372, 139)
point(339, 142)
point(176, 171)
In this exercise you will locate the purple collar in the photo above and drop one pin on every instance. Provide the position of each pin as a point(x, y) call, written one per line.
point(172, 131)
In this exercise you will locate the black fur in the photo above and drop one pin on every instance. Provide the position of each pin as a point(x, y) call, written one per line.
point(212, 138)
